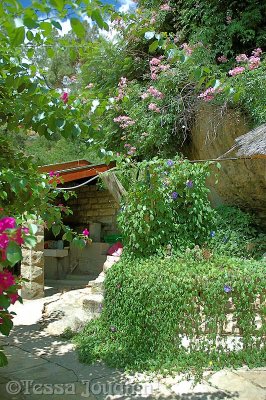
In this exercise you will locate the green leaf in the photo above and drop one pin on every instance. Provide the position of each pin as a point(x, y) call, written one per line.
point(56, 229)
point(30, 241)
point(97, 17)
point(197, 73)
point(6, 326)
point(50, 52)
point(236, 97)
point(30, 53)
point(56, 24)
point(3, 359)
point(77, 27)
point(18, 36)
point(46, 27)
point(68, 236)
point(4, 301)
point(29, 36)
point(30, 23)
point(13, 253)
point(154, 46)
point(33, 228)
point(58, 4)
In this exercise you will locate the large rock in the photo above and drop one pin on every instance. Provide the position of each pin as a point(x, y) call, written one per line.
point(71, 310)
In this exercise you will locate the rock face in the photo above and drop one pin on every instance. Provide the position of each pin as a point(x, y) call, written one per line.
point(242, 182)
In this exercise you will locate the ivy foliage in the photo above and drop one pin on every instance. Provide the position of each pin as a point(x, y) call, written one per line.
point(171, 315)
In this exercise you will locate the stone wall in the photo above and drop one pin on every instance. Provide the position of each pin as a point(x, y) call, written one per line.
point(240, 182)
point(93, 206)
point(32, 268)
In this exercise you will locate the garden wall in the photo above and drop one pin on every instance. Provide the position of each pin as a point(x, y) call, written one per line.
point(241, 182)
point(93, 205)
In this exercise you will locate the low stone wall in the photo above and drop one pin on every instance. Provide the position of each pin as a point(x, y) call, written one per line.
point(93, 205)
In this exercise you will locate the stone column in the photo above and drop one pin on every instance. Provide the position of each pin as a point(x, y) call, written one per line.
point(32, 269)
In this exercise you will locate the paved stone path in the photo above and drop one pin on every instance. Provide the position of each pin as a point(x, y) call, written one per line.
point(45, 367)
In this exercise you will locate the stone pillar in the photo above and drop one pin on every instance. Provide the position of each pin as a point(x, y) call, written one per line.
point(32, 269)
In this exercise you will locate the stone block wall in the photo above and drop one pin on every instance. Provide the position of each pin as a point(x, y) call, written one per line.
point(32, 268)
point(93, 205)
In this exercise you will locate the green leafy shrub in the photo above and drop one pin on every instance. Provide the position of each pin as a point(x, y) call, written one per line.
point(153, 306)
point(235, 234)
point(166, 204)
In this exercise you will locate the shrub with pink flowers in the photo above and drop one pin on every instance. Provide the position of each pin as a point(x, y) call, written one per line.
point(12, 236)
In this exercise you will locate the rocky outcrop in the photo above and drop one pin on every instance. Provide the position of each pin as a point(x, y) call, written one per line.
point(241, 182)
point(70, 311)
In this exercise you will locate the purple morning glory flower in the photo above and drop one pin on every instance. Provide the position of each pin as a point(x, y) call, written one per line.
point(174, 195)
point(227, 289)
point(170, 163)
point(113, 329)
point(189, 184)
point(212, 234)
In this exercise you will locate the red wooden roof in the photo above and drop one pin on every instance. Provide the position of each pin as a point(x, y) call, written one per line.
point(75, 170)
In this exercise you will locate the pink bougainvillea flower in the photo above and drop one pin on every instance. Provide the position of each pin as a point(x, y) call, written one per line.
point(254, 62)
point(236, 71)
point(241, 58)
point(165, 7)
point(155, 93)
point(13, 297)
point(6, 279)
point(208, 95)
point(187, 49)
point(53, 174)
point(153, 107)
point(131, 151)
point(7, 223)
point(4, 240)
point(18, 237)
point(64, 97)
point(257, 52)
point(122, 85)
point(26, 230)
point(222, 59)
point(155, 61)
point(124, 121)
point(144, 96)
point(86, 232)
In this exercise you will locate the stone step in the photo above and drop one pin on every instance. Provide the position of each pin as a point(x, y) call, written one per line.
point(92, 304)
point(97, 285)
point(79, 277)
point(68, 284)
point(110, 261)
